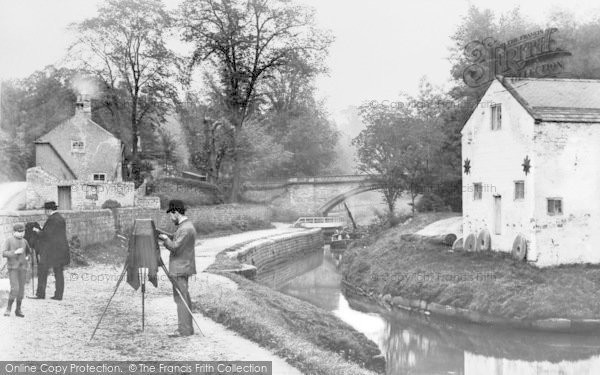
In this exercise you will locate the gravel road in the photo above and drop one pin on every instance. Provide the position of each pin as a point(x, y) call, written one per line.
point(60, 330)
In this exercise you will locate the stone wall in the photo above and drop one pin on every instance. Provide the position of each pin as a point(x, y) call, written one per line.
point(147, 202)
point(43, 186)
point(188, 190)
point(496, 158)
point(91, 226)
point(279, 249)
point(566, 161)
point(215, 215)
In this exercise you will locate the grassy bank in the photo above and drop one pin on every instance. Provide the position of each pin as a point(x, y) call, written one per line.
point(236, 226)
point(491, 283)
point(311, 339)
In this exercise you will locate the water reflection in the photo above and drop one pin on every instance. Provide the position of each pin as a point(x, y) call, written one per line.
point(415, 344)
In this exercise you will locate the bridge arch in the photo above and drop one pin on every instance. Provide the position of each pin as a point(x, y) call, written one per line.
point(324, 209)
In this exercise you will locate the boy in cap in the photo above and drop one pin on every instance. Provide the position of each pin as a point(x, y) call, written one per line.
point(16, 250)
point(182, 263)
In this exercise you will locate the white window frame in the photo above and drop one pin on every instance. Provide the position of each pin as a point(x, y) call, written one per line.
point(99, 174)
point(77, 149)
point(496, 116)
point(524, 192)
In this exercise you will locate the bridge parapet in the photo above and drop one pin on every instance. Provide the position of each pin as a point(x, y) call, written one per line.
point(308, 196)
point(281, 182)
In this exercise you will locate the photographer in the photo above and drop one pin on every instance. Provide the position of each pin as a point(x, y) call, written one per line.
point(182, 263)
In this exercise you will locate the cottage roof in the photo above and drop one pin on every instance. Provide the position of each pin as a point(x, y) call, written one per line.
point(63, 126)
point(557, 99)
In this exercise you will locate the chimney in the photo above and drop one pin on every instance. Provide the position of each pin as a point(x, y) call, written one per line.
point(84, 105)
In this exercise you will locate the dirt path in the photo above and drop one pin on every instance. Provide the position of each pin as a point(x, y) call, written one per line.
point(60, 330)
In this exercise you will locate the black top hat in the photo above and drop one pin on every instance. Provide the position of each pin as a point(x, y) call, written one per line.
point(176, 205)
point(50, 206)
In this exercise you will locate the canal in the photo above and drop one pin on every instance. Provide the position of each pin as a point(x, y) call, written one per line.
point(415, 344)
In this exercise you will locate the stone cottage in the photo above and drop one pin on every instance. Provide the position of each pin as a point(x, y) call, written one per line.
point(78, 165)
point(531, 170)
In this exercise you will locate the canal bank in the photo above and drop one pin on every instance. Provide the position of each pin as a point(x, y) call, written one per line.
point(417, 343)
point(312, 339)
point(484, 287)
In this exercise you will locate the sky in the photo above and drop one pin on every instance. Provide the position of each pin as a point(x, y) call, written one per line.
point(382, 47)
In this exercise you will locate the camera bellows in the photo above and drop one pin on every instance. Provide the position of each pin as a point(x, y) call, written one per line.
point(143, 252)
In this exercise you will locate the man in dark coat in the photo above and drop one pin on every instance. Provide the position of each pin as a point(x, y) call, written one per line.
point(53, 250)
point(182, 263)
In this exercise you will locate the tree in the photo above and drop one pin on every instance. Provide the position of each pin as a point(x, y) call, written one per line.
point(208, 133)
point(310, 139)
point(392, 149)
point(125, 46)
point(242, 42)
point(260, 151)
point(30, 108)
point(299, 121)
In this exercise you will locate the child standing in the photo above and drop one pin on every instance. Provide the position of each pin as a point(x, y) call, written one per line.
point(15, 249)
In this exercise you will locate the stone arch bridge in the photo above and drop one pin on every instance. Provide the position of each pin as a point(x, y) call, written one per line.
point(307, 196)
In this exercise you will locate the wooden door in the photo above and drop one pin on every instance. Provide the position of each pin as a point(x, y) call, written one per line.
point(64, 197)
point(497, 214)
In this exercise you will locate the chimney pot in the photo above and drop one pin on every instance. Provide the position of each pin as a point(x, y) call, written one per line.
point(84, 105)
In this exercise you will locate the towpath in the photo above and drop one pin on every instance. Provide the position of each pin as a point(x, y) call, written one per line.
point(60, 330)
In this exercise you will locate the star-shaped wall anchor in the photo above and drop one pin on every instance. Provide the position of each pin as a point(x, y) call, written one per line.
point(526, 165)
point(467, 166)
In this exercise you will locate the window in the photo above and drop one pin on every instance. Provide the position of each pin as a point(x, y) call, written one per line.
point(496, 116)
point(91, 192)
point(519, 190)
point(77, 146)
point(555, 206)
point(477, 191)
point(99, 176)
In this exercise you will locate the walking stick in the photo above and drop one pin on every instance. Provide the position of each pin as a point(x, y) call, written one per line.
point(176, 287)
point(109, 300)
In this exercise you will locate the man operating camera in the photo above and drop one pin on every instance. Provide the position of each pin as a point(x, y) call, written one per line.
point(182, 263)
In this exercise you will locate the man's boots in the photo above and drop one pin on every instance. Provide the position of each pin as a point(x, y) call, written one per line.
point(9, 306)
point(18, 311)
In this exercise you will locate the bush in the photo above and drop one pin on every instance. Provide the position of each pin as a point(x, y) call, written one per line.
point(430, 202)
point(111, 203)
point(386, 220)
point(192, 192)
point(284, 215)
point(139, 170)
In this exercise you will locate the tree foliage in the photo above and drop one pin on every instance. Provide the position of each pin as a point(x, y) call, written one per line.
point(124, 45)
point(242, 43)
point(31, 107)
point(393, 149)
